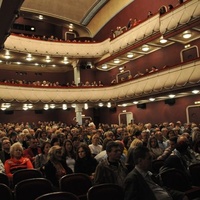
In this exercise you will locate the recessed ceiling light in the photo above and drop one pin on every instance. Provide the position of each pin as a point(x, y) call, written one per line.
point(195, 91)
point(116, 61)
point(162, 40)
point(85, 106)
point(130, 55)
point(104, 66)
point(187, 34)
point(172, 95)
point(73, 105)
point(100, 104)
point(41, 17)
point(48, 59)
point(29, 57)
point(64, 106)
point(108, 104)
point(7, 55)
point(151, 99)
point(145, 47)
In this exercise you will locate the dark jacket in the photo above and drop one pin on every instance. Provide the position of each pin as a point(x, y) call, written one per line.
point(85, 165)
point(136, 187)
point(50, 172)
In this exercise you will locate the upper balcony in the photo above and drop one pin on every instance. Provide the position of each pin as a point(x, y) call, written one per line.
point(149, 32)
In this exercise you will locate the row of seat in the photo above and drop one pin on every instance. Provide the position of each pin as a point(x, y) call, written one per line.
point(41, 189)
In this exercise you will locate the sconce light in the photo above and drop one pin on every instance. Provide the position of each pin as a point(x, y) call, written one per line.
point(187, 34)
point(162, 40)
point(130, 55)
point(145, 47)
point(116, 61)
point(29, 57)
point(104, 66)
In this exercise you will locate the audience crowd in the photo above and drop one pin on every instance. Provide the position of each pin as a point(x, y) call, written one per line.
point(106, 153)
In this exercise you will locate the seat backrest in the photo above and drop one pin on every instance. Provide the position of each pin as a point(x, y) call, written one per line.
point(105, 192)
point(24, 174)
point(5, 192)
point(156, 165)
point(195, 173)
point(76, 183)
point(4, 179)
point(58, 196)
point(30, 189)
point(175, 179)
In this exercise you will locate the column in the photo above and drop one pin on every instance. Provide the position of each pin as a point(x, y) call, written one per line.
point(78, 110)
point(76, 72)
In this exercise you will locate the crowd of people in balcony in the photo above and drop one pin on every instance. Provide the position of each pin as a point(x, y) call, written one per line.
point(46, 83)
point(134, 22)
point(106, 153)
point(53, 38)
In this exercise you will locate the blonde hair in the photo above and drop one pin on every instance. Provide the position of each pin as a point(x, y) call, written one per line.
point(15, 146)
point(52, 152)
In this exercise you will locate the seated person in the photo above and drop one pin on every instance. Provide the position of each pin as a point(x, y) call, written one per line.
point(139, 184)
point(56, 166)
point(17, 161)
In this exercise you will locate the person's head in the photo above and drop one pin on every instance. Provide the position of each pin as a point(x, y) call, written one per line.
point(68, 146)
point(33, 142)
point(182, 144)
point(55, 153)
point(6, 144)
point(83, 151)
point(142, 158)
point(153, 143)
point(173, 142)
point(16, 150)
point(114, 151)
point(95, 139)
point(55, 141)
point(45, 147)
point(159, 136)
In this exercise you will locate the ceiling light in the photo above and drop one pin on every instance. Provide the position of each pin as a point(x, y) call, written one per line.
point(162, 40)
point(46, 106)
point(197, 102)
point(3, 108)
point(65, 60)
point(124, 104)
point(135, 102)
point(19, 63)
point(85, 106)
point(7, 55)
point(6, 105)
point(145, 47)
point(130, 55)
point(116, 61)
point(104, 66)
point(100, 104)
point(1, 61)
point(108, 104)
point(172, 96)
point(195, 91)
point(36, 64)
point(151, 99)
point(48, 59)
point(73, 105)
point(64, 106)
point(53, 65)
point(41, 17)
point(71, 26)
point(29, 57)
point(187, 34)
point(52, 106)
